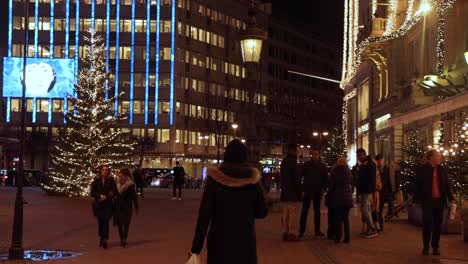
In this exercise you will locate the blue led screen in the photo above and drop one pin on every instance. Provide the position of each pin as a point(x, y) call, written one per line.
point(52, 78)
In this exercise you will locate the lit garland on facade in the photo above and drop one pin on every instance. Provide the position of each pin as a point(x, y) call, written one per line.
point(409, 11)
point(345, 41)
point(391, 20)
point(344, 124)
point(355, 60)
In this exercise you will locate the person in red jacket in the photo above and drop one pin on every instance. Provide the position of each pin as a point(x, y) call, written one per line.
point(433, 190)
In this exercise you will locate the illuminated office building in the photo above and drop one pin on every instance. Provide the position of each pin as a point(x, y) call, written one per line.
point(179, 65)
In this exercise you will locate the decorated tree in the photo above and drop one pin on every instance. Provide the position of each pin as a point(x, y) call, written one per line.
point(455, 155)
point(414, 152)
point(89, 138)
point(335, 148)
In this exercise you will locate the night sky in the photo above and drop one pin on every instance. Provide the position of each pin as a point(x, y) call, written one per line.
point(318, 17)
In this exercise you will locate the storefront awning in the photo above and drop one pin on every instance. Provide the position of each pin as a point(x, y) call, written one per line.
point(448, 105)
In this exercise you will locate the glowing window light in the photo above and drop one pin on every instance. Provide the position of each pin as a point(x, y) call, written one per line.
point(108, 7)
point(156, 80)
point(36, 27)
point(171, 115)
point(132, 62)
point(466, 57)
point(67, 27)
point(117, 57)
point(10, 27)
point(148, 31)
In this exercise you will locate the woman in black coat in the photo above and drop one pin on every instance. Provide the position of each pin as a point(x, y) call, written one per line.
point(124, 201)
point(103, 190)
point(340, 198)
point(232, 199)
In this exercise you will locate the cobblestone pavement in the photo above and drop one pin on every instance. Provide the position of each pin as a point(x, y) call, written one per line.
point(163, 231)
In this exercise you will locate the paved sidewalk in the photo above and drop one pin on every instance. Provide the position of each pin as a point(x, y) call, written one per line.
point(163, 231)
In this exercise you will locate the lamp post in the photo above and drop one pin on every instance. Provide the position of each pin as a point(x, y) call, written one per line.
point(251, 41)
point(234, 127)
point(319, 135)
point(16, 250)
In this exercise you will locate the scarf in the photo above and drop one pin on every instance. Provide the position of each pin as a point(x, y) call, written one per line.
point(123, 186)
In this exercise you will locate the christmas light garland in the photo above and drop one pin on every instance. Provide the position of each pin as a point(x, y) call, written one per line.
point(392, 14)
point(353, 61)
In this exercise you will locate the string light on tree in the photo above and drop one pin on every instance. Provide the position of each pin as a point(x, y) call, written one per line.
point(89, 138)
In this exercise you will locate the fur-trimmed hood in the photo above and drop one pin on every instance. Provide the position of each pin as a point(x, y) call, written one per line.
point(234, 175)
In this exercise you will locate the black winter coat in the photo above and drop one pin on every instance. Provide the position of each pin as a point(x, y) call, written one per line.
point(179, 174)
point(232, 199)
point(366, 181)
point(103, 209)
point(315, 176)
point(340, 192)
point(290, 180)
point(385, 179)
point(138, 178)
point(124, 201)
point(423, 187)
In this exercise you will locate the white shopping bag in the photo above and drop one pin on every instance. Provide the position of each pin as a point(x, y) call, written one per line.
point(194, 259)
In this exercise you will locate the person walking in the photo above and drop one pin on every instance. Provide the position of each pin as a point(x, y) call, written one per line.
point(387, 191)
point(314, 179)
point(290, 192)
point(103, 190)
point(125, 199)
point(366, 187)
point(139, 181)
point(341, 198)
point(433, 190)
point(375, 201)
point(179, 179)
point(233, 198)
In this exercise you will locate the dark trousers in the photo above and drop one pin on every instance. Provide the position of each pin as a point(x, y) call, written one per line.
point(341, 215)
point(432, 222)
point(331, 231)
point(317, 200)
point(385, 199)
point(123, 231)
point(175, 186)
point(103, 227)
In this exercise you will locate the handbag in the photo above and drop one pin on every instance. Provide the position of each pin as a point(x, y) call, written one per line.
point(194, 259)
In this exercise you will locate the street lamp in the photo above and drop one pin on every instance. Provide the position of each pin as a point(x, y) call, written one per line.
point(235, 126)
point(251, 42)
point(16, 250)
point(317, 134)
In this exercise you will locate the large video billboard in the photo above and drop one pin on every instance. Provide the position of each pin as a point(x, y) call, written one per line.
point(51, 78)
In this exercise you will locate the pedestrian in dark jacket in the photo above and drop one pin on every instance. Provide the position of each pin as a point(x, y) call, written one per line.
point(432, 187)
point(233, 198)
point(124, 201)
point(103, 190)
point(366, 187)
point(341, 198)
point(290, 192)
point(315, 177)
point(139, 181)
point(179, 179)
